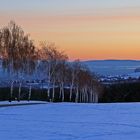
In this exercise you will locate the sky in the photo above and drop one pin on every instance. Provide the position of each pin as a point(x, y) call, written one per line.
point(84, 29)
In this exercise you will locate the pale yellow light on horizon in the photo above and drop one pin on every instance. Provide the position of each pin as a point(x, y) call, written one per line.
point(86, 37)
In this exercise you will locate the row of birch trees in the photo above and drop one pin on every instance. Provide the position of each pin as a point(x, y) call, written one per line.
point(21, 57)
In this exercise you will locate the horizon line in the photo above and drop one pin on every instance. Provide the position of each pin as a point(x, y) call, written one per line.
point(108, 60)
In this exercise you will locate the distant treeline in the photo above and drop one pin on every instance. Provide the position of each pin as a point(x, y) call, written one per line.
point(123, 92)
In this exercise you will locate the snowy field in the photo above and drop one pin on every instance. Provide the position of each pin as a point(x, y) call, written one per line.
point(65, 121)
point(21, 102)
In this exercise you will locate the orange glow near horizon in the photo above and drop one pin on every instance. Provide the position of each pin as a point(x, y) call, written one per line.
point(85, 37)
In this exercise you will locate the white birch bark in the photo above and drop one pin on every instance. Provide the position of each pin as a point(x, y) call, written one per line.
point(11, 90)
point(30, 92)
point(19, 91)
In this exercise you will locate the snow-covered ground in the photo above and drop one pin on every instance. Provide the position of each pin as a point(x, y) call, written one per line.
point(65, 121)
point(21, 102)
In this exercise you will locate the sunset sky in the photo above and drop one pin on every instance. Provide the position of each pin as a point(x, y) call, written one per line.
point(84, 29)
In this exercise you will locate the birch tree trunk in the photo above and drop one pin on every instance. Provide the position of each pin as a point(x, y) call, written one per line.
point(82, 95)
point(96, 98)
point(86, 95)
point(11, 91)
point(63, 94)
point(71, 87)
point(53, 95)
point(60, 91)
point(49, 80)
point(48, 89)
point(30, 92)
point(71, 91)
point(19, 92)
point(77, 95)
point(91, 96)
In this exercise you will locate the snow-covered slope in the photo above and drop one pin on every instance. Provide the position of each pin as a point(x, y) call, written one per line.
point(113, 67)
point(65, 121)
point(134, 75)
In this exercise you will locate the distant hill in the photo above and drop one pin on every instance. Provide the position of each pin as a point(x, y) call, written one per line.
point(101, 67)
point(112, 67)
point(137, 70)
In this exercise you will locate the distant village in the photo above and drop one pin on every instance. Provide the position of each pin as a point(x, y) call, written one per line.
point(129, 78)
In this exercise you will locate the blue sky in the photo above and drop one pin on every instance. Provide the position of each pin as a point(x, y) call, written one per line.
point(54, 6)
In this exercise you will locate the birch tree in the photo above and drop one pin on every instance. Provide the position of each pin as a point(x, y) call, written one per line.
point(62, 76)
point(51, 57)
point(17, 51)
